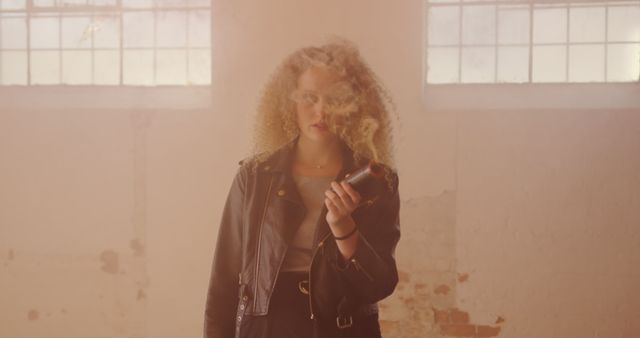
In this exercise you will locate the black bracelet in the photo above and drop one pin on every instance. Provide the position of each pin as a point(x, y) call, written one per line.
point(355, 228)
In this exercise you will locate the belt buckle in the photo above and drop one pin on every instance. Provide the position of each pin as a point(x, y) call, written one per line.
point(347, 322)
point(302, 288)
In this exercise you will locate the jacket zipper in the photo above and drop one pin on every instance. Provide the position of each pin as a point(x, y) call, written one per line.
point(361, 269)
point(277, 273)
point(320, 245)
point(264, 212)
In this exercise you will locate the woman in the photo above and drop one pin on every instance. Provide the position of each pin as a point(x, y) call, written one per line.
point(300, 252)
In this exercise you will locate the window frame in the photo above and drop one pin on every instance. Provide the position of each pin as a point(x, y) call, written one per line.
point(444, 97)
point(108, 96)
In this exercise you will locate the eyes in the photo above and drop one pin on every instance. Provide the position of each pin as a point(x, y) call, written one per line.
point(307, 97)
point(331, 100)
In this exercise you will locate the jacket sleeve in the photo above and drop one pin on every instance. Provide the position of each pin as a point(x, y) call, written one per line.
point(222, 294)
point(371, 271)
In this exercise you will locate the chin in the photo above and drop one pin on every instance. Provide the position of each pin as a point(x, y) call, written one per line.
point(322, 137)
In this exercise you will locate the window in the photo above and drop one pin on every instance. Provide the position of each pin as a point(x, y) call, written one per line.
point(105, 42)
point(490, 42)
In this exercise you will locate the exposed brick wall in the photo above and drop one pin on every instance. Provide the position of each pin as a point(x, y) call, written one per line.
point(425, 303)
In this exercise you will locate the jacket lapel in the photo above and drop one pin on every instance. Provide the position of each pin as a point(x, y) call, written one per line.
point(287, 209)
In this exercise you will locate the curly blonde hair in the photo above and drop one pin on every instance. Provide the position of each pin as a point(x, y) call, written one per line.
point(367, 131)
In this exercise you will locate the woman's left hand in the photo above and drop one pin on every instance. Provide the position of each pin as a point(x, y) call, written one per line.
point(341, 202)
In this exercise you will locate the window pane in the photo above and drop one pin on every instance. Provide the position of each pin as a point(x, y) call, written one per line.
point(76, 32)
point(199, 3)
point(171, 3)
point(478, 25)
point(12, 4)
point(513, 64)
point(587, 24)
point(137, 3)
point(138, 29)
point(478, 65)
point(44, 3)
point(199, 29)
point(549, 63)
point(138, 67)
point(444, 25)
point(172, 29)
point(14, 33)
point(624, 23)
point(549, 25)
point(442, 65)
point(44, 33)
point(106, 33)
point(105, 3)
point(513, 24)
point(107, 67)
point(623, 62)
point(76, 67)
point(171, 67)
point(71, 3)
point(199, 67)
point(14, 68)
point(586, 63)
point(45, 67)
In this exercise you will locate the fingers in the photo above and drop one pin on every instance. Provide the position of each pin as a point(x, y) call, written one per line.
point(331, 207)
point(343, 196)
point(341, 207)
point(355, 196)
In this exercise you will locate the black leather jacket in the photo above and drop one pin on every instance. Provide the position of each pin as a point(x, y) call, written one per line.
point(260, 218)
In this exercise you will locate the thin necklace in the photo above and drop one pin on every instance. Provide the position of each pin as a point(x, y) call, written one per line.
point(316, 166)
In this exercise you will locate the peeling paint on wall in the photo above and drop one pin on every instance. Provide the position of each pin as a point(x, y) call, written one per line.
point(458, 316)
point(420, 286)
point(137, 247)
point(455, 322)
point(426, 261)
point(442, 289)
point(33, 315)
point(109, 260)
point(425, 302)
point(403, 276)
point(141, 295)
point(388, 325)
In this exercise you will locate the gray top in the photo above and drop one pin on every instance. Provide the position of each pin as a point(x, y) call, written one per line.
point(311, 188)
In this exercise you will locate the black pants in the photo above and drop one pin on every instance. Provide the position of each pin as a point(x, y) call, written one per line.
point(289, 316)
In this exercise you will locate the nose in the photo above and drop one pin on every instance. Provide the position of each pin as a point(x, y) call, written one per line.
point(318, 108)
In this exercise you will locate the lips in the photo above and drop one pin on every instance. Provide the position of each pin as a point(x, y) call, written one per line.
point(319, 125)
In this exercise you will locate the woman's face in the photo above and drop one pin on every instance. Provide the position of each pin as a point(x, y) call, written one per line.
point(311, 100)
